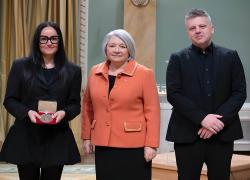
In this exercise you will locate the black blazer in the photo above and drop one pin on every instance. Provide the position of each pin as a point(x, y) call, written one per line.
point(21, 95)
point(44, 145)
point(184, 93)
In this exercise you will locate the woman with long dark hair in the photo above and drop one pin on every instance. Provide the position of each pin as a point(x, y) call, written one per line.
point(41, 143)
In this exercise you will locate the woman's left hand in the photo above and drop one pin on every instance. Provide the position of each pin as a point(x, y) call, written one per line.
point(59, 115)
point(149, 153)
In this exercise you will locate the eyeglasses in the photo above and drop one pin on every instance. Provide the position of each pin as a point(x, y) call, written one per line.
point(53, 39)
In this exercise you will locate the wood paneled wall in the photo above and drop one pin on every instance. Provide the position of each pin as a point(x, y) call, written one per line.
point(140, 22)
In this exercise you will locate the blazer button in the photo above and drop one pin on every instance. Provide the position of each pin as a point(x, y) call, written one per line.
point(107, 123)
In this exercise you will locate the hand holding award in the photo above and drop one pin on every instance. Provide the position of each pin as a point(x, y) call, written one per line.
point(46, 109)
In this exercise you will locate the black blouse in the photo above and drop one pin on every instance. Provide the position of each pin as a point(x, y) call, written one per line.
point(111, 82)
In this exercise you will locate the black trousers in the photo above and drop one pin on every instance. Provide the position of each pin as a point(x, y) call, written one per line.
point(121, 164)
point(215, 154)
point(32, 172)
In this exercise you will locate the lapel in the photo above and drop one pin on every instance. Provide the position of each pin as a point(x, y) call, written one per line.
point(103, 68)
point(217, 64)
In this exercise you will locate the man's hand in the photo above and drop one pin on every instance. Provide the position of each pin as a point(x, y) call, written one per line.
point(204, 133)
point(213, 123)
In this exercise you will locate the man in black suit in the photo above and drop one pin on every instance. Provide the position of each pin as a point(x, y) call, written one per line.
point(206, 87)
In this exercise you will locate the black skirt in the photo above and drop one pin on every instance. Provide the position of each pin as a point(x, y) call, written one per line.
point(42, 145)
point(121, 164)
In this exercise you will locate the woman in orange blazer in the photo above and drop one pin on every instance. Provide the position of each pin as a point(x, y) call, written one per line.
point(121, 114)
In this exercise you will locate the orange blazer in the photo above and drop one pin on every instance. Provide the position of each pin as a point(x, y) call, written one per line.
point(129, 116)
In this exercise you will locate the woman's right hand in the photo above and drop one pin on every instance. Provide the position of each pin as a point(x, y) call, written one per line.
point(33, 115)
point(87, 146)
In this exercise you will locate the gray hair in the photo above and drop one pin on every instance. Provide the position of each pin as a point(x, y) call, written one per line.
point(197, 13)
point(125, 37)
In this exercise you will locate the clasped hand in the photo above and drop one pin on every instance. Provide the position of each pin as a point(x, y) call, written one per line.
point(211, 125)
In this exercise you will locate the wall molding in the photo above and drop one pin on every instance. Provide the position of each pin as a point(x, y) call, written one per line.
point(83, 38)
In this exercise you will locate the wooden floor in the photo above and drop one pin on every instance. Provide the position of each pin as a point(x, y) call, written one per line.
point(164, 165)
